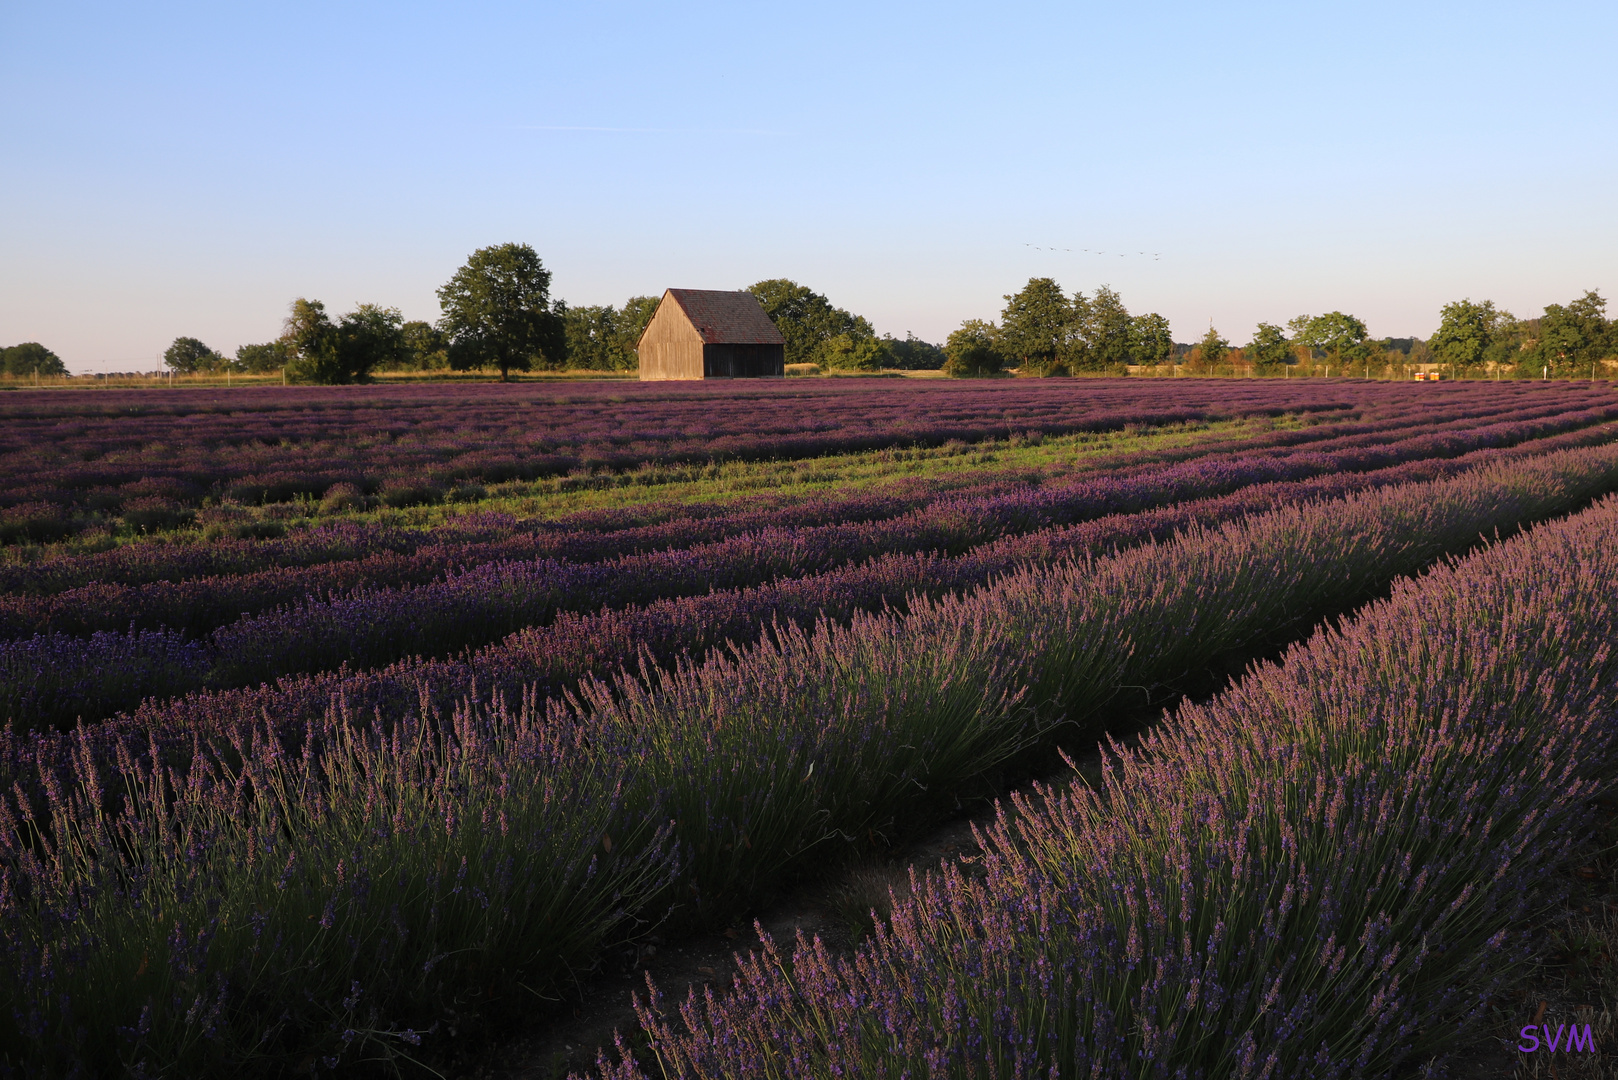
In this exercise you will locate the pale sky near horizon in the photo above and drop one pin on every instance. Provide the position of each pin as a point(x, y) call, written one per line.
point(174, 169)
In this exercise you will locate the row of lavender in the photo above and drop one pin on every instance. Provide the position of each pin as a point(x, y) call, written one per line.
point(75, 453)
point(647, 527)
point(82, 594)
point(336, 890)
point(53, 679)
point(552, 659)
point(1323, 872)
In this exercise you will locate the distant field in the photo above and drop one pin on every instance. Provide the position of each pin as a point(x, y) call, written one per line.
point(338, 714)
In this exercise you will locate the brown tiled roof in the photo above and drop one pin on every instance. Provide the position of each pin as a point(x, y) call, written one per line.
point(727, 318)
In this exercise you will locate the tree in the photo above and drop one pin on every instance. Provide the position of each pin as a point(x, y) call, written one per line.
point(1150, 341)
point(498, 313)
point(335, 353)
point(592, 337)
point(426, 347)
point(850, 353)
point(632, 319)
point(1506, 349)
point(1465, 332)
point(605, 338)
point(1337, 335)
point(914, 354)
point(1036, 327)
point(1574, 337)
point(806, 319)
point(1102, 326)
point(973, 350)
point(371, 337)
point(1269, 347)
point(187, 356)
point(262, 359)
point(31, 359)
point(1212, 348)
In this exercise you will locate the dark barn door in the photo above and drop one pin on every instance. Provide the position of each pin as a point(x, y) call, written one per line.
point(743, 361)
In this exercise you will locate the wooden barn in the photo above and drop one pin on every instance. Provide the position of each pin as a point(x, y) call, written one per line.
point(710, 334)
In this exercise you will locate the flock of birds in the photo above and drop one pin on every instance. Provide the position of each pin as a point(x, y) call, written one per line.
point(1121, 254)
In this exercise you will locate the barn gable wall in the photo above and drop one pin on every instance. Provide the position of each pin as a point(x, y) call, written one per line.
point(670, 347)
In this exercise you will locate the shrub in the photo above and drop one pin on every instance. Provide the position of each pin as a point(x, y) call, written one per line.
point(153, 513)
point(41, 522)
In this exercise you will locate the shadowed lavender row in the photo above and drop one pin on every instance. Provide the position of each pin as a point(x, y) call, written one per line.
point(649, 527)
point(375, 626)
point(337, 890)
point(1315, 874)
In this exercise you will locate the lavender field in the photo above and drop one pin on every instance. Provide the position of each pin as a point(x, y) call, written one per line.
point(339, 718)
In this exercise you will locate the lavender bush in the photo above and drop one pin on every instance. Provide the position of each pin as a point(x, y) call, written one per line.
point(1315, 874)
point(291, 903)
point(142, 909)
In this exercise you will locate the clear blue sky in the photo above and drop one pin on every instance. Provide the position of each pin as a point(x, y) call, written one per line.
point(170, 169)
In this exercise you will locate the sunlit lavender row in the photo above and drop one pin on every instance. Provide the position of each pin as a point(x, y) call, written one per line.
point(1323, 872)
point(280, 897)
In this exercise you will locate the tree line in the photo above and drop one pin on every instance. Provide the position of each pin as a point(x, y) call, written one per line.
point(30, 359)
point(1043, 332)
point(1567, 341)
point(497, 313)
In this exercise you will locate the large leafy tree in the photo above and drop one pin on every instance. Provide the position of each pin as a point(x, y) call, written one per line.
point(347, 351)
point(850, 353)
point(632, 319)
point(604, 338)
point(261, 359)
point(808, 321)
point(1575, 336)
point(498, 313)
point(1037, 327)
point(1341, 337)
point(1270, 347)
point(1103, 327)
point(1465, 332)
point(973, 350)
point(372, 337)
point(1150, 341)
point(31, 359)
point(187, 356)
point(426, 347)
point(914, 354)
point(592, 337)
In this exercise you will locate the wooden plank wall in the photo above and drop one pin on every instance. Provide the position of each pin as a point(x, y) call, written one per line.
point(670, 348)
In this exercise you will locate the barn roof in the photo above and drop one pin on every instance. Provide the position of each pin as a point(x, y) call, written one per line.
point(726, 318)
